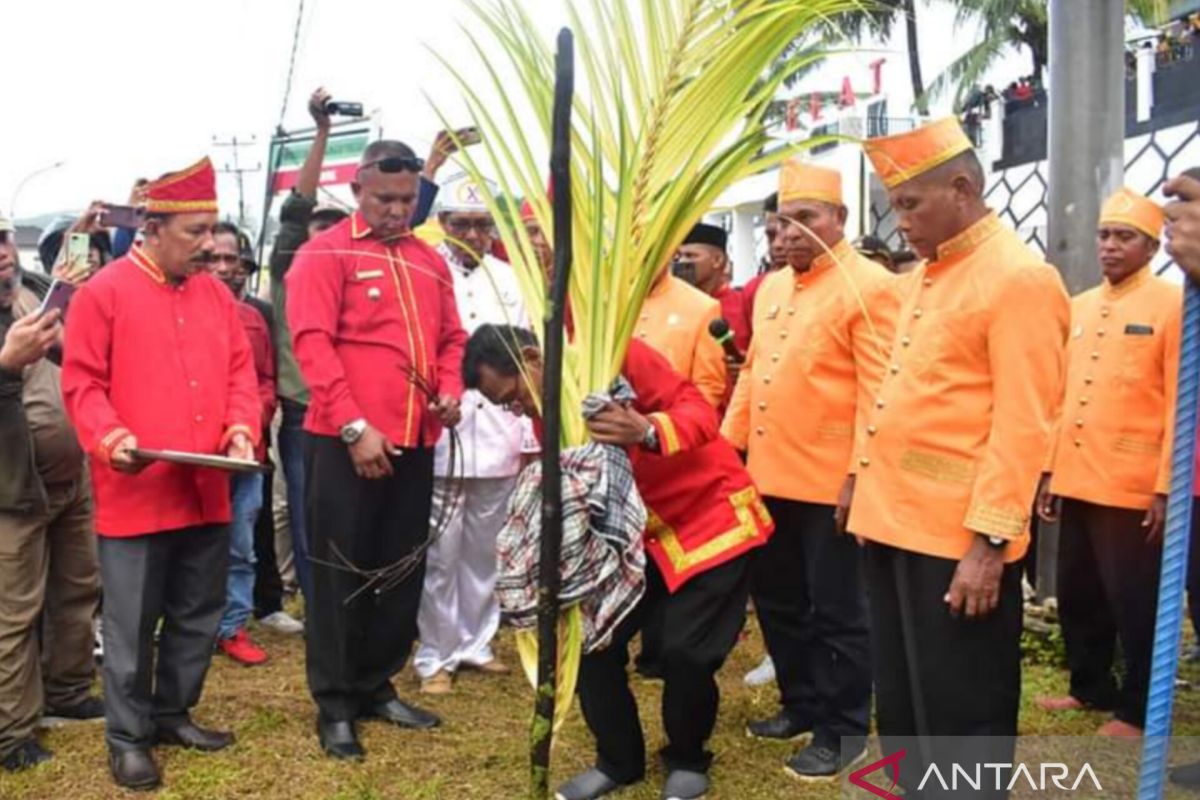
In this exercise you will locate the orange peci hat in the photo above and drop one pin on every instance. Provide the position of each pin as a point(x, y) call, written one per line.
point(904, 156)
point(799, 180)
point(1127, 207)
point(187, 191)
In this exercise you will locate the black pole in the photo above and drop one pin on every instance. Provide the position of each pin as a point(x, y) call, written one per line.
point(551, 544)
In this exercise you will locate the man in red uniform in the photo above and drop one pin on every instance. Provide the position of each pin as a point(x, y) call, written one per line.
point(705, 515)
point(247, 489)
point(374, 323)
point(156, 357)
point(703, 262)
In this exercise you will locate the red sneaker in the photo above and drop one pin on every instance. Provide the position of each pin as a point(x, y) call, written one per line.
point(242, 650)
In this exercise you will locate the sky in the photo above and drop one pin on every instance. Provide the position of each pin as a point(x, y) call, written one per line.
point(129, 88)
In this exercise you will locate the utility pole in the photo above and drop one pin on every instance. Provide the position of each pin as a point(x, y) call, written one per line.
point(1087, 159)
point(237, 169)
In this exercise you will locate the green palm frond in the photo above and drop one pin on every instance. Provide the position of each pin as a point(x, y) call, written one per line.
point(668, 113)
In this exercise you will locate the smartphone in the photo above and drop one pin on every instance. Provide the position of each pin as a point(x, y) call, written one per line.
point(123, 217)
point(342, 108)
point(58, 296)
point(469, 136)
point(78, 246)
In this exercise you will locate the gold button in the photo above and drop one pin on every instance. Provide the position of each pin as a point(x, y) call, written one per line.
point(879, 404)
point(775, 356)
point(864, 462)
point(783, 334)
point(799, 287)
point(760, 430)
point(1083, 401)
point(1104, 312)
point(1100, 332)
point(1095, 356)
point(1078, 423)
point(642, 335)
point(199, 418)
point(872, 430)
point(762, 405)
point(1079, 442)
point(895, 368)
point(791, 312)
point(929, 281)
point(1088, 380)
point(917, 313)
point(766, 378)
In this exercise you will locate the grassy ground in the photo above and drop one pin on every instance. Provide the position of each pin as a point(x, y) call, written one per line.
point(480, 752)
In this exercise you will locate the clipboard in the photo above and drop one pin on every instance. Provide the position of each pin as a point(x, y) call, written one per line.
point(201, 460)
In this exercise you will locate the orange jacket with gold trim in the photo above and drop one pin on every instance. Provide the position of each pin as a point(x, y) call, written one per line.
point(704, 508)
point(674, 321)
point(960, 427)
point(820, 348)
point(1113, 446)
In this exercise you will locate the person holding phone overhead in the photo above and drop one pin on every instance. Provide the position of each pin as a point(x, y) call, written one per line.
point(156, 357)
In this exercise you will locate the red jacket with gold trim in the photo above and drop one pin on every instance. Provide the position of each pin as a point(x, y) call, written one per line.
point(363, 312)
point(704, 508)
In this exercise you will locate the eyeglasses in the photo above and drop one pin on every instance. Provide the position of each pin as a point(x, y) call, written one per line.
point(483, 226)
point(395, 164)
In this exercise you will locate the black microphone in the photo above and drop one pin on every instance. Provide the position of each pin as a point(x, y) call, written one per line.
point(719, 330)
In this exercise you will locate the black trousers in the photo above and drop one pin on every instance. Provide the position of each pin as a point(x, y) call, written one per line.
point(180, 577)
point(268, 585)
point(808, 593)
point(354, 648)
point(955, 679)
point(703, 619)
point(1108, 589)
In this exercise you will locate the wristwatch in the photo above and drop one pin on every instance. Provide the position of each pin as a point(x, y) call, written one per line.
point(352, 431)
point(650, 440)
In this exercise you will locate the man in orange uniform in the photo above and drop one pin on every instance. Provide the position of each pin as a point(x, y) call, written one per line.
point(705, 515)
point(674, 321)
point(822, 331)
point(954, 444)
point(156, 357)
point(1111, 466)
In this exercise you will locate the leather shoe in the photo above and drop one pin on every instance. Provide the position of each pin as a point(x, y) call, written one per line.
point(339, 740)
point(189, 734)
point(133, 769)
point(26, 754)
point(588, 785)
point(404, 715)
point(781, 727)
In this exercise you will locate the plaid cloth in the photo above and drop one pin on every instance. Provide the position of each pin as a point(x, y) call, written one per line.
point(603, 564)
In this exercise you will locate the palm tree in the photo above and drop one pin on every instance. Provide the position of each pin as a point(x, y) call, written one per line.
point(1020, 24)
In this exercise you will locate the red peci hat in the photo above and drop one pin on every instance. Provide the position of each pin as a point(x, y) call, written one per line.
point(187, 191)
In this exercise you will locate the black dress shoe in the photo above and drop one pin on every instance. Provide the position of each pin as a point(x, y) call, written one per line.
point(26, 754)
point(91, 708)
point(133, 769)
point(404, 715)
point(339, 740)
point(781, 726)
point(189, 734)
point(589, 785)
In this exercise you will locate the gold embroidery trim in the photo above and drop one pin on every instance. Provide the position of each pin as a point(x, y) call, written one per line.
point(668, 432)
point(752, 516)
point(996, 521)
point(971, 238)
point(180, 206)
point(939, 468)
point(836, 430)
point(1141, 447)
point(412, 347)
point(146, 264)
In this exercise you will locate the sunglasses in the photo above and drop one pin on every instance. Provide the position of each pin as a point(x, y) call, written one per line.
point(395, 164)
